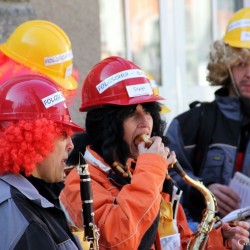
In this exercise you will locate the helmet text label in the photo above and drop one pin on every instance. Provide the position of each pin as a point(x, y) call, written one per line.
point(53, 99)
point(118, 77)
point(139, 90)
point(56, 59)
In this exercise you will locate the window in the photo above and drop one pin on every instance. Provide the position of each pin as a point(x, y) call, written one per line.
point(131, 29)
point(144, 35)
point(205, 21)
point(112, 29)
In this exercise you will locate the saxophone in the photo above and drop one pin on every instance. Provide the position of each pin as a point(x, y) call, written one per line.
point(200, 237)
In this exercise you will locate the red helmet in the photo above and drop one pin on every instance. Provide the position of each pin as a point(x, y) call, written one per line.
point(30, 97)
point(118, 81)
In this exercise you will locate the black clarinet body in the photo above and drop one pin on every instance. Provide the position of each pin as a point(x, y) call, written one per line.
point(91, 233)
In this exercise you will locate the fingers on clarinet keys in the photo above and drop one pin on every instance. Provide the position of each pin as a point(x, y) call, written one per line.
point(123, 170)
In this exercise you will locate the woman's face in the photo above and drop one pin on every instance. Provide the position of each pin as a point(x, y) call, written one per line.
point(139, 122)
point(51, 169)
point(241, 73)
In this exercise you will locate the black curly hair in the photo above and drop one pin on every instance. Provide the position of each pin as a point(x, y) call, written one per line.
point(105, 129)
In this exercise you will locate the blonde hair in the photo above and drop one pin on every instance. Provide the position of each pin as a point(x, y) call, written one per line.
point(222, 57)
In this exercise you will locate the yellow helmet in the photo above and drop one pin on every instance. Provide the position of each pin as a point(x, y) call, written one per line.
point(164, 109)
point(238, 30)
point(44, 47)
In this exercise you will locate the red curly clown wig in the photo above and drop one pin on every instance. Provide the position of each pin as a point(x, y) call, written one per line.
point(10, 68)
point(25, 143)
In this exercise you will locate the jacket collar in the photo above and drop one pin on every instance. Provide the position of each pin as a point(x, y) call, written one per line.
point(26, 188)
point(94, 159)
point(229, 105)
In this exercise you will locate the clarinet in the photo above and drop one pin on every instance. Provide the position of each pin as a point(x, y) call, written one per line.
point(91, 233)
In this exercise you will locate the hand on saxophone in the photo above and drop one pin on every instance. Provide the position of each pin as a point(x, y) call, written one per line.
point(236, 237)
point(227, 199)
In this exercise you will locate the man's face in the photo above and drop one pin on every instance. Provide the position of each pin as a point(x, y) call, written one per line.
point(139, 122)
point(241, 74)
point(51, 169)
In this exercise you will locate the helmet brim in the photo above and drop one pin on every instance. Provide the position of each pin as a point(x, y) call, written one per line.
point(122, 102)
point(237, 44)
point(74, 127)
point(68, 83)
point(164, 109)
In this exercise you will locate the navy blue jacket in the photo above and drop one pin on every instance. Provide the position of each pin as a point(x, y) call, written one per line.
point(220, 158)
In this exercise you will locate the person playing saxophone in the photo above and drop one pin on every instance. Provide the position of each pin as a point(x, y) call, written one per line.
point(135, 205)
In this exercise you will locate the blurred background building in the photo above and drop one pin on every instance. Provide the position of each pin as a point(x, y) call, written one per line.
point(168, 38)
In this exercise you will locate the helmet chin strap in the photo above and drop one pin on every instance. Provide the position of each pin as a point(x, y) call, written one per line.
point(235, 87)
